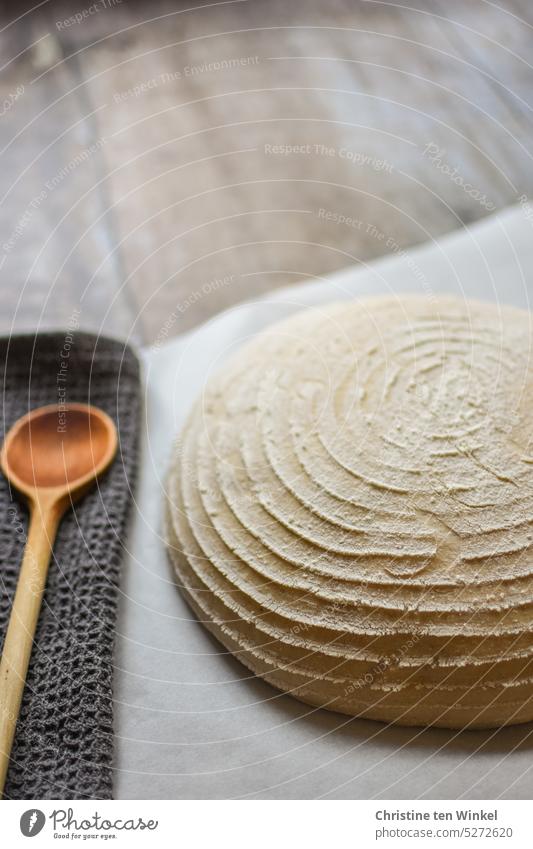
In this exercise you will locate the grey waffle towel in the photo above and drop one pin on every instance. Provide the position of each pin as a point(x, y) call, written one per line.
point(64, 740)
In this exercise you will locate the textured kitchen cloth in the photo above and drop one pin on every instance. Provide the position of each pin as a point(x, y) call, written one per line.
point(64, 740)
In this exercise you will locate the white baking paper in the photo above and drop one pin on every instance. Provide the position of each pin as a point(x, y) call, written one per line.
point(191, 721)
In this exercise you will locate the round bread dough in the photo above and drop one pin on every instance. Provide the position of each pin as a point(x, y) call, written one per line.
point(349, 510)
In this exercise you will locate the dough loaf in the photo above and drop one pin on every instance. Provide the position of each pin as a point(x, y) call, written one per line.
point(349, 510)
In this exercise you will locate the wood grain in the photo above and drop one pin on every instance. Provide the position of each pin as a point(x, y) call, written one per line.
point(246, 145)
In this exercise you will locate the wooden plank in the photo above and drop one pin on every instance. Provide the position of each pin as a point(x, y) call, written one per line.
point(251, 144)
point(54, 244)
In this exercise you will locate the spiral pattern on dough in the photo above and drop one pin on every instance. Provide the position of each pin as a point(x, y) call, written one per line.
point(350, 510)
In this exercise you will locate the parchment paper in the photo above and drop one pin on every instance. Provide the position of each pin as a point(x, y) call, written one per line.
point(190, 720)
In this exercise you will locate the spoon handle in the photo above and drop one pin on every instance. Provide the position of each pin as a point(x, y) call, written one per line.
point(44, 521)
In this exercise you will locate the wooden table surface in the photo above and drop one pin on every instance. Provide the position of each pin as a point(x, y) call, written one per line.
point(162, 161)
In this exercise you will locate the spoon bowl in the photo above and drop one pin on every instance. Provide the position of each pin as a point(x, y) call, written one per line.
point(58, 449)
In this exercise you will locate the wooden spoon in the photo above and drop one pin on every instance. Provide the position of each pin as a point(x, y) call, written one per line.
point(53, 456)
